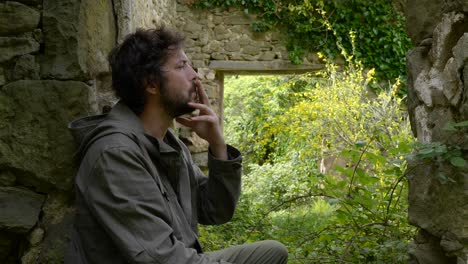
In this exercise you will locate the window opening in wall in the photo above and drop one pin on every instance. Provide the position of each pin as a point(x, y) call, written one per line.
point(323, 166)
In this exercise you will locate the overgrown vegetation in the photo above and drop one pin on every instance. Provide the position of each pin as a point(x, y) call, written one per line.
point(325, 153)
point(325, 26)
point(324, 166)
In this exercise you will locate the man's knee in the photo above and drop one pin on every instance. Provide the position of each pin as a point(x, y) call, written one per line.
point(276, 248)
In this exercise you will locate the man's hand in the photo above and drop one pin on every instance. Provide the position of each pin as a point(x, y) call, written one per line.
point(206, 124)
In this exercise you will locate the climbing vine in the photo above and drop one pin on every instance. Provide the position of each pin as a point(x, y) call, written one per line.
point(440, 153)
point(327, 26)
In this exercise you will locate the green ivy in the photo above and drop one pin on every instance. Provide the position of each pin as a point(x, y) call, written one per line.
point(440, 153)
point(326, 26)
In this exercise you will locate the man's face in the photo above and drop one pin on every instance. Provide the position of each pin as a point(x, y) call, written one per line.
point(178, 84)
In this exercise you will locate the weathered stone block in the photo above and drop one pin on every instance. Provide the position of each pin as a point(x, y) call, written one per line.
point(97, 36)
point(57, 220)
point(438, 117)
point(2, 77)
point(193, 28)
point(429, 87)
point(422, 127)
point(201, 159)
point(20, 209)
point(235, 57)
point(422, 17)
point(213, 46)
point(218, 56)
point(238, 20)
point(446, 35)
point(453, 85)
point(249, 57)
point(460, 51)
point(30, 2)
point(31, 255)
point(16, 46)
point(251, 50)
point(267, 56)
point(16, 18)
point(7, 178)
point(198, 63)
point(60, 27)
point(199, 56)
point(416, 62)
point(239, 29)
point(36, 236)
point(217, 19)
point(189, 43)
point(26, 68)
point(232, 46)
point(434, 205)
point(456, 5)
point(35, 143)
point(182, 8)
point(426, 249)
point(219, 30)
point(203, 38)
point(244, 40)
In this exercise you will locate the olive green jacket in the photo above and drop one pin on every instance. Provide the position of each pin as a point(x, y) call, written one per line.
point(139, 199)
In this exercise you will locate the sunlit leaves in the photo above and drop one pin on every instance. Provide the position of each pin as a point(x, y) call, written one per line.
point(287, 127)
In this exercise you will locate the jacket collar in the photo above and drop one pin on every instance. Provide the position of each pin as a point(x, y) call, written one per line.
point(123, 117)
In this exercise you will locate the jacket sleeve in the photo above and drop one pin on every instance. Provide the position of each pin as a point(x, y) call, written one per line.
point(129, 205)
point(220, 191)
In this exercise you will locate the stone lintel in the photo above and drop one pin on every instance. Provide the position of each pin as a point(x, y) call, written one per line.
point(262, 67)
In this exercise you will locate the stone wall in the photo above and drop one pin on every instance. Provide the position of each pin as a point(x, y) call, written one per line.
point(438, 94)
point(51, 54)
point(220, 42)
point(52, 63)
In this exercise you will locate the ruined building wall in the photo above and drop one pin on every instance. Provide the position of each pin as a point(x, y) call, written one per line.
point(438, 94)
point(53, 69)
point(220, 42)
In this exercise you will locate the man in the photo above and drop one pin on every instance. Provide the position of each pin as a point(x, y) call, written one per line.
point(139, 196)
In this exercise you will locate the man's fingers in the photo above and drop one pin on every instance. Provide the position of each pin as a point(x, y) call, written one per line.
point(201, 93)
point(202, 118)
point(184, 121)
point(192, 121)
point(202, 107)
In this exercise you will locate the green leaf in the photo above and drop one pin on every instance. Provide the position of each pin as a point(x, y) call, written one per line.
point(461, 124)
point(346, 171)
point(449, 126)
point(458, 162)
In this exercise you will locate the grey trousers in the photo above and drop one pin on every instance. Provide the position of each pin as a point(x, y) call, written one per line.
point(262, 252)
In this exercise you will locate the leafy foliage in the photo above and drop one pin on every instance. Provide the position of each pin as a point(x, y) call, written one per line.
point(438, 153)
point(328, 26)
point(289, 128)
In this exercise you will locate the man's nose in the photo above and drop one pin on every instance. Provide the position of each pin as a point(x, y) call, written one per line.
point(193, 73)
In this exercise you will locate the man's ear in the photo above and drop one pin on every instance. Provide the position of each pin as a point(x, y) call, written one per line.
point(152, 88)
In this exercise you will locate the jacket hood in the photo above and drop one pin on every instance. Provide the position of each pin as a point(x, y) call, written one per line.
point(88, 129)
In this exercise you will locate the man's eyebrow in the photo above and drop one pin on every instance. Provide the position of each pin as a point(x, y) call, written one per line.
point(185, 61)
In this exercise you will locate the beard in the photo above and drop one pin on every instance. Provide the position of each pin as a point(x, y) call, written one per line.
point(176, 105)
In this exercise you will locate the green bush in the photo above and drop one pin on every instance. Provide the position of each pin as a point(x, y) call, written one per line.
point(286, 126)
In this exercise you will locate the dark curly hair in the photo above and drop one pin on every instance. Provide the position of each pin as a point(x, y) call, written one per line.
point(137, 62)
